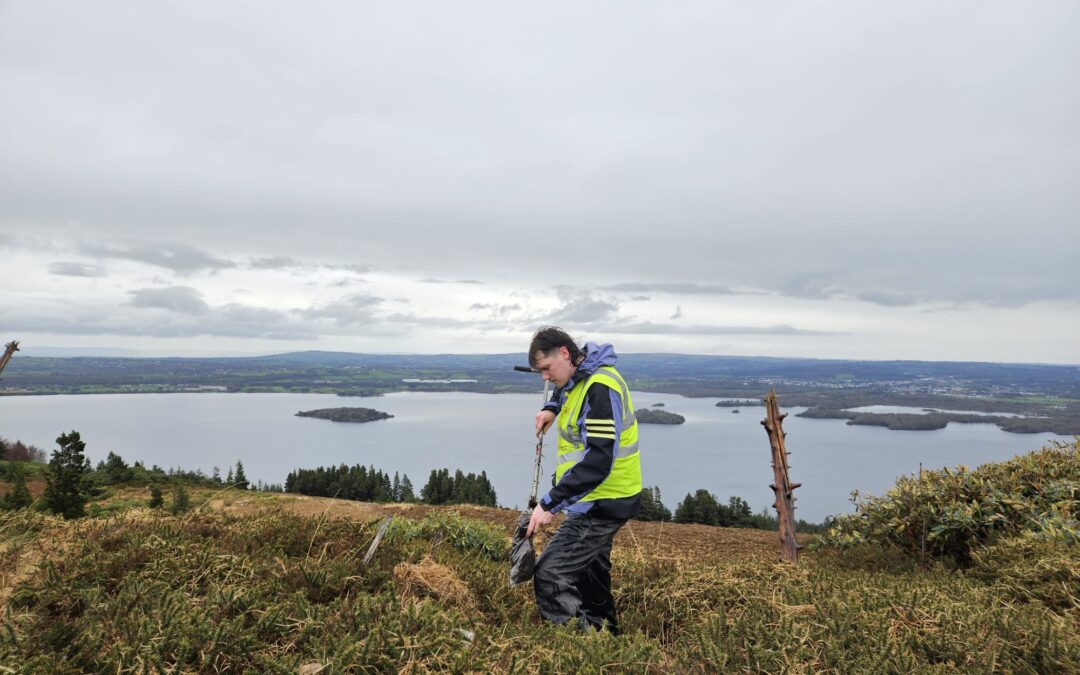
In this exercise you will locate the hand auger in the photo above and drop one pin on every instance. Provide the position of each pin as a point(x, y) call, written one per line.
point(522, 553)
point(533, 494)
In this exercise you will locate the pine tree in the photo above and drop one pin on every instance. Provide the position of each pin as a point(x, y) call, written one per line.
point(117, 469)
point(652, 508)
point(701, 507)
point(156, 500)
point(430, 492)
point(180, 500)
point(215, 475)
point(239, 478)
point(407, 494)
point(65, 486)
point(395, 488)
point(19, 496)
point(736, 513)
point(229, 477)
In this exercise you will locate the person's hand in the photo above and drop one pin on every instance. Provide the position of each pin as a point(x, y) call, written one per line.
point(544, 418)
point(539, 518)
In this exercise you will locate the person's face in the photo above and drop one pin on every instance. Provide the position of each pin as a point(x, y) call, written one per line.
point(557, 367)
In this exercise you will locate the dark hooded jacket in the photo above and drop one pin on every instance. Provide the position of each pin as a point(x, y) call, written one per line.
point(595, 466)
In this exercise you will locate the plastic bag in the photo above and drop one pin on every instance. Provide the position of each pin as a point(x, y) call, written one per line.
point(522, 554)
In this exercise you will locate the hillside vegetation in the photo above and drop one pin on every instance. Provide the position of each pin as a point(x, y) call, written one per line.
point(275, 583)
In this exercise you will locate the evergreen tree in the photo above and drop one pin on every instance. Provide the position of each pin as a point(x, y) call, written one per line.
point(180, 500)
point(156, 500)
point(19, 496)
point(229, 478)
point(386, 489)
point(215, 475)
point(430, 492)
point(65, 488)
point(701, 507)
point(239, 478)
point(652, 508)
point(407, 494)
point(736, 513)
point(116, 469)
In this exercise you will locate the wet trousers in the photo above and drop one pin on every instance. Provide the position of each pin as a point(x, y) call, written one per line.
point(573, 574)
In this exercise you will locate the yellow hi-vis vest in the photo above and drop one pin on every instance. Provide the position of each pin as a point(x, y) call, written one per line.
point(625, 477)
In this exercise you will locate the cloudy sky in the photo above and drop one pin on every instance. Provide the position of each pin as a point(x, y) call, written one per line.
point(823, 179)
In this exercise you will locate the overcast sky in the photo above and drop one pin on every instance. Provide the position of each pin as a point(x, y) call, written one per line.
point(845, 179)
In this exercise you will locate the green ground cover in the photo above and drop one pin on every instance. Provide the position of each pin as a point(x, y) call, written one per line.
point(956, 572)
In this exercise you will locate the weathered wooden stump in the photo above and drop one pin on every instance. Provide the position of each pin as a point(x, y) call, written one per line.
point(782, 486)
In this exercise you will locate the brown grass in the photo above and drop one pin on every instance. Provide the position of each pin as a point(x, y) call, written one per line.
point(428, 578)
point(647, 540)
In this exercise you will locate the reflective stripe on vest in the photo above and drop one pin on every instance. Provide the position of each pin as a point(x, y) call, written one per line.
point(625, 477)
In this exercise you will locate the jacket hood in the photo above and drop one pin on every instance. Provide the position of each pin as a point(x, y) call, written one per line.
point(596, 356)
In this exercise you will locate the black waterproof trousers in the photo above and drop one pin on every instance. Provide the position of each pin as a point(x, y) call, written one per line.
point(573, 574)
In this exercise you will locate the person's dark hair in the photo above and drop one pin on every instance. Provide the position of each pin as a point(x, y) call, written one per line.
point(550, 338)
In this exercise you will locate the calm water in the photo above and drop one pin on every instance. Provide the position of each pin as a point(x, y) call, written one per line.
point(726, 453)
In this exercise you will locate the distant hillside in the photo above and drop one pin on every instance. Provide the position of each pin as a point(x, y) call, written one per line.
point(1049, 391)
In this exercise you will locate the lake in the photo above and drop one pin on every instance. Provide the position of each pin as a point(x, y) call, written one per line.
point(715, 449)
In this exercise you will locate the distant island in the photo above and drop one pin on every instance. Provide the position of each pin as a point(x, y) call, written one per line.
point(346, 414)
point(648, 416)
point(1063, 425)
point(1046, 397)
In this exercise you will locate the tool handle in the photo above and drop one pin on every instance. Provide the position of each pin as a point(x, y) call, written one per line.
point(536, 471)
point(525, 369)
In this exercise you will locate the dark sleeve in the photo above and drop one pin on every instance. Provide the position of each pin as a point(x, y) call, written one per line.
point(601, 437)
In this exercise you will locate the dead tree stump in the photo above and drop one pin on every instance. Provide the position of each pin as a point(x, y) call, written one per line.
point(782, 486)
point(9, 351)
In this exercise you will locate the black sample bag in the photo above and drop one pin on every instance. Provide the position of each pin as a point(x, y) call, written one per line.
point(522, 555)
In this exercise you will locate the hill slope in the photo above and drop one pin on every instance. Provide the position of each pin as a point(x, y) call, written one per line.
point(276, 583)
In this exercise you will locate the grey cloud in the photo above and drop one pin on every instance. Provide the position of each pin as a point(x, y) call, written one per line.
point(358, 268)
point(650, 328)
point(180, 258)
point(676, 288)
point(281, 262)
point(353, 309)
point(432, 280)
point(677, 314)
point(779, 165)
point(233, 320)
point(74, 269)
point(276, 262)
point(496, 309)
point(239, 314)
point(435, 321)
point(363, 300)
point(579, 306)
point(583, 311)
point(182, 299)
point(887, 299)
point(809, 287)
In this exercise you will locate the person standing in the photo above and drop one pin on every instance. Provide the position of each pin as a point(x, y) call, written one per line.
point(597, 478)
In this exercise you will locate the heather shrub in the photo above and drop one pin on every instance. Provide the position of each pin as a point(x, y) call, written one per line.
point(948, 514)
